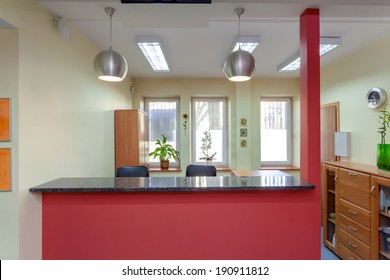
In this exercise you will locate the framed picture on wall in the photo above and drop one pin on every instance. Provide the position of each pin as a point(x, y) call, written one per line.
point(243, 143)
point(243, 132)
point(243, 122)
point(5, 169)
point(5, 119)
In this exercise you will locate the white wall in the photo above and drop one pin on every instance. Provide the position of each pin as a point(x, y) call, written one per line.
point(348, 80)
point(65, 115)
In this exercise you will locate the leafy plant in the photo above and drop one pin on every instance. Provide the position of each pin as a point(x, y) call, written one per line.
point(164, 150)
point(185, 117)
point(206, 146)
point(384, 120)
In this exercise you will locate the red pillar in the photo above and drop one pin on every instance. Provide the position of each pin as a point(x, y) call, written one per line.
point(310, 96)
point(310, 109)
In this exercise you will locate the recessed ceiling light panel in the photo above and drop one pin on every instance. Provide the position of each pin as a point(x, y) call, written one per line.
point(153, 50)
point(326, 45)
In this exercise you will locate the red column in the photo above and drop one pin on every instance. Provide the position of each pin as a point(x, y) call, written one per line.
point(310, 109)
point(310, 163)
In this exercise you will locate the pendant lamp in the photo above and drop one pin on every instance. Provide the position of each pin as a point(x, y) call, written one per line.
point(240, 65)
point(110, 65)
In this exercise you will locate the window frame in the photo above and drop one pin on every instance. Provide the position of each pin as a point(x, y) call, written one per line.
point(289, 160)
point(174, 164)
point(225, 128)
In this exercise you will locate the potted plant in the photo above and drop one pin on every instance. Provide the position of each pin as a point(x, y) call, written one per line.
point(164, 151)
point(383, 149)
point(206, 146)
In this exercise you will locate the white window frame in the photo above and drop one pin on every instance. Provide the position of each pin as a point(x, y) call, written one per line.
point(196, 160)
point(172, 163)
point(289, 132)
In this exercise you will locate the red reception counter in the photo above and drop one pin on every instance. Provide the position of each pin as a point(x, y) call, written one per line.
point(273, 216)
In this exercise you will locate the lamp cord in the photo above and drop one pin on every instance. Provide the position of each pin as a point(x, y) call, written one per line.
point(110, 32)
point(239, 31)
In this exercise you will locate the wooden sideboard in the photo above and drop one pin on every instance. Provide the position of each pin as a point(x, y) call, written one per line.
point(351, 214)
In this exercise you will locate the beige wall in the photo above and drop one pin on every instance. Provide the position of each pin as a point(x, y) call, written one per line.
point(9, 201)
point(348, 80)
point(62, 117)
point(244, 102)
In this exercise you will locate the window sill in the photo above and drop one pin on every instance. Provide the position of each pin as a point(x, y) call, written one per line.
point(158, 169)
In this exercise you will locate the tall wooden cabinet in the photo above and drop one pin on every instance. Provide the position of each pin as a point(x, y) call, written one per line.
point(351, 192)
point(330, 174)
point(131, 138)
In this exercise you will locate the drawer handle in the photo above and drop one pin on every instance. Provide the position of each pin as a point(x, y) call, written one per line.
point(352, 174)
point(352, 228)
point(335, 179)
point(352, 212)
point(352, 245)
point(372, 190)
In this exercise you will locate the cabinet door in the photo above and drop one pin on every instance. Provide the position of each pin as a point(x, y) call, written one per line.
point(355, 187)
point(330, 174)
point(381, 218)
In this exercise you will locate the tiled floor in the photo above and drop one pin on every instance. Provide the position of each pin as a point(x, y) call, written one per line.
point(327, 254)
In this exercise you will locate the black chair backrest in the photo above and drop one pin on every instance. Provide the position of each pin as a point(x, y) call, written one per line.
point(200, 170)
point(132, 171)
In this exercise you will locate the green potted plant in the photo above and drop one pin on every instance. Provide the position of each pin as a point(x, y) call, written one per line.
point(164, 151)
point(206, 146)
point(383, 149)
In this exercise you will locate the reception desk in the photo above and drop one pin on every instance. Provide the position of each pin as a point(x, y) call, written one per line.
point(272, 216)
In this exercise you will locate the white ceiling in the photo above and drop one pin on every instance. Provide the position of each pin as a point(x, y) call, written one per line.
point(197, 36)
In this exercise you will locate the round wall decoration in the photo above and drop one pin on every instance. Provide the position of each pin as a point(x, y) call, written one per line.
point(376, 98)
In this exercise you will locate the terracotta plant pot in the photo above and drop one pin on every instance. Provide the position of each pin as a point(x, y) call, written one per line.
point(164, 164)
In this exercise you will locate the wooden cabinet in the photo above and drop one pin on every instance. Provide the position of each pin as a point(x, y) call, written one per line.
point(131, 138)
point(330, 174)
point(352, 192)
point(381, 217)
point(354, 212)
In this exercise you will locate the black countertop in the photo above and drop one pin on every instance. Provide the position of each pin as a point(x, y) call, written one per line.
point(166, 184)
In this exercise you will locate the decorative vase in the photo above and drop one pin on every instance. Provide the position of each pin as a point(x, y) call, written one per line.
point(164, 164)
point(383, 156)
point(209, 161)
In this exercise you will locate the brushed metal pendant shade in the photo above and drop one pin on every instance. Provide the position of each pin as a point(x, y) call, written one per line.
point(240, 65)
point(108, 64)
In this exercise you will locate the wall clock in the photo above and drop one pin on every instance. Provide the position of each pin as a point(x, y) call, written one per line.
point(376, 98)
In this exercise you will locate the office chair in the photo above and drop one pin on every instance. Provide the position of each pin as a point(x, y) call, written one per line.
point(200, 170)
point(132, 171)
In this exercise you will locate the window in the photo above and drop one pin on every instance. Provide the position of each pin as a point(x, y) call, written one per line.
point(209, 114)
point(275, 131)
point(163, 119)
